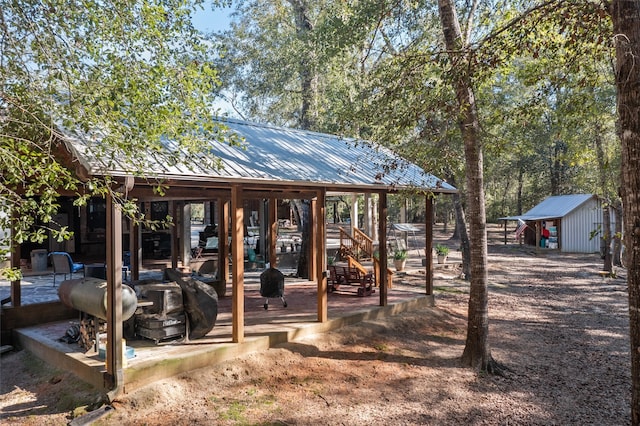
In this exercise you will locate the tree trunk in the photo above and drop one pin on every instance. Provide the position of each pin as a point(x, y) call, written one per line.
point(308, 78)
point(520, 186)
point(606, 212)
point(626, 27)
point(461, 229)
point(476, 353)
point(301, 207)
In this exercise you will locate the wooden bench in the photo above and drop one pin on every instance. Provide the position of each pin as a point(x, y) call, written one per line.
point(343, 276)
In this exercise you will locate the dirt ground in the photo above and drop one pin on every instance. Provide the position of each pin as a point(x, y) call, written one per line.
point(556, 324)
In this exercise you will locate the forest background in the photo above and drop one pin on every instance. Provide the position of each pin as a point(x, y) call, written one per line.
point(510, 101)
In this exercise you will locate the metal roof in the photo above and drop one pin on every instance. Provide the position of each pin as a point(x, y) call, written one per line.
point(556, 206)
point(283, 155)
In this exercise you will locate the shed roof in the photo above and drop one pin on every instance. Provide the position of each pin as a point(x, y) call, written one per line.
point(556, 206)
point(284, 156)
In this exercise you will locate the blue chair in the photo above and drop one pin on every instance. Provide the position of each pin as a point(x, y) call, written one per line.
point(63, 264)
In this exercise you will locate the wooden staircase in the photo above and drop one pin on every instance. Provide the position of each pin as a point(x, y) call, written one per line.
point(357, 247)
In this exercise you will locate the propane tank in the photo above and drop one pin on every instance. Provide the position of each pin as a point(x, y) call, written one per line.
point(90, 295)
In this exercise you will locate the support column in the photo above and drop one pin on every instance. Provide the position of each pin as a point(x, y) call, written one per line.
point(114, 377)
point(175, 248)
point(367, 219)
point(273, 231)
point(354, 212)
point(237, 252)
point(320, 254)
point(185, 254)
point(265, 226)
point(223, 240)
point(428, 248)
point(314, 249)
point(382, 249)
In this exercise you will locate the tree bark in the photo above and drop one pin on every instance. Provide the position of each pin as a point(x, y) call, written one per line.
point(626, 27)
point(477, 352)
point(617, 236)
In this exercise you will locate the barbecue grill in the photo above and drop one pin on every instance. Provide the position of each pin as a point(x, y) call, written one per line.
point(272, 285)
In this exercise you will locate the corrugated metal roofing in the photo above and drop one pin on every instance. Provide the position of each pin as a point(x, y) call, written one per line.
point(287, 155)
point(556, 206)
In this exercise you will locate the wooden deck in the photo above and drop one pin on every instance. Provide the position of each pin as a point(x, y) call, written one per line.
point(263, 329)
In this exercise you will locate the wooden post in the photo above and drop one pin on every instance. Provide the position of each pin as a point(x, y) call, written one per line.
point(428, 247)
point(237, 252)
point(114, 377)
point(320, 254)
point(313, 252)
point(382, 248)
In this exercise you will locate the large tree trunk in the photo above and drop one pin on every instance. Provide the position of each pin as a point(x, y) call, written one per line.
point(476, 353)
point(626, 27)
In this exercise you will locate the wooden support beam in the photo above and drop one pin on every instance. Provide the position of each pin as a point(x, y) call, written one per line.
point(428, 248)
point(319, 254)
point(237, 252)
point(114, 377)
point(382, 247)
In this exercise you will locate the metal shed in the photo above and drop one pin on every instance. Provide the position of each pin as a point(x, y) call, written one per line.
point(576, 217)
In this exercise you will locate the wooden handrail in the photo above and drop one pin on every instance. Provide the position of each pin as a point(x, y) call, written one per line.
point(364, 241)
point(359, 244)
point(353, 263)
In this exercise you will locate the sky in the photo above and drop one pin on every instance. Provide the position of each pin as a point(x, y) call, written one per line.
point(208, 20)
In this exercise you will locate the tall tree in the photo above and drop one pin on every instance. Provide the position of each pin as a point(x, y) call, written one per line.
point(477, 352)
point(626, 27)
